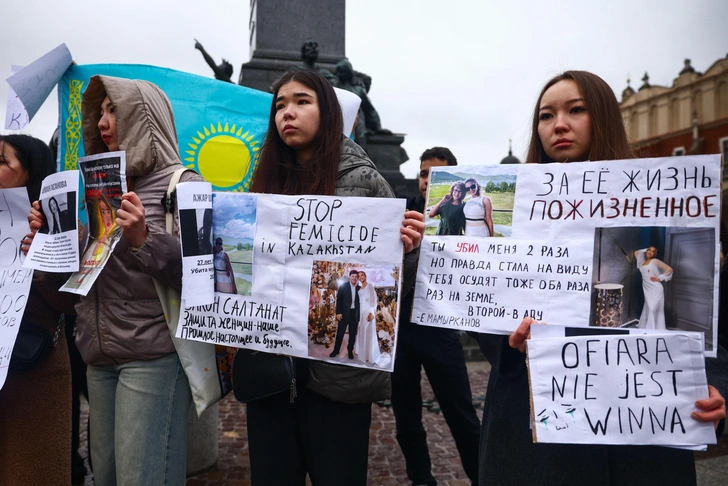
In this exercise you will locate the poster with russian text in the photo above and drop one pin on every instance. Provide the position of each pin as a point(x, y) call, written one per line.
point(619, 389)
point(631, 243)
point(55, 247)
point(105, 181)
point(319, 278)
point(15, 280)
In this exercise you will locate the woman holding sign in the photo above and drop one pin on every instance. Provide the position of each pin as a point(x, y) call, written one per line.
point(323, 431)
point(35, 402)
point(139, 394)
point(654, 272)
point(576, 118)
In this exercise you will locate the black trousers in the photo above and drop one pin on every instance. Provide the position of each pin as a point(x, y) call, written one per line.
point(440, 352)
point(328, 440)
point(353, 324)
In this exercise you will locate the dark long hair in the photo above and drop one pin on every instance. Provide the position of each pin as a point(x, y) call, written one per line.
point(34, 156)
point(277, 171)
point(608, 137)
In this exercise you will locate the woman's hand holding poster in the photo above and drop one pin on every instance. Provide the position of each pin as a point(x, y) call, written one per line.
point(318, 279)
point(105, 181)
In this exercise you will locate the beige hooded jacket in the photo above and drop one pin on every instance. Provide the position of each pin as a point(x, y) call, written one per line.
point(121, 318)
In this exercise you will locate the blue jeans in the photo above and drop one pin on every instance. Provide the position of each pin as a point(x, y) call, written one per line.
point(138, 422)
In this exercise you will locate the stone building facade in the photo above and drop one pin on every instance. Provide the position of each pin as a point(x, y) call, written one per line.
point(688, 118)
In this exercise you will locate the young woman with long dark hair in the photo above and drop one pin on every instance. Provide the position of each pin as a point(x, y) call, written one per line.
point(324, 431)
point(576, 118)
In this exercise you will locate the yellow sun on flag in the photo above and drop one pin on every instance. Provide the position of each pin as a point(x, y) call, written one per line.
point(224, 155)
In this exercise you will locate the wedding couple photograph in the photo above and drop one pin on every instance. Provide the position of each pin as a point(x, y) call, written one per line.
point(352, 313)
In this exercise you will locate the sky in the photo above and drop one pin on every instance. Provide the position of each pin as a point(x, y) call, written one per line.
point(463, 74)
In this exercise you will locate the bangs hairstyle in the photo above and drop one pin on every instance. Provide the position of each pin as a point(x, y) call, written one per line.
point(277, 171)
point(608, 136)
point(34, 156)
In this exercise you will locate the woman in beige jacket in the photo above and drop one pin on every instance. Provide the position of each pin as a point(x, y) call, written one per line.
point(138, 391)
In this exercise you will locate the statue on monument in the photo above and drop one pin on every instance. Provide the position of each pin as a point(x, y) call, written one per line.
point(309, 55)
point(223, 72)
point(350, 80)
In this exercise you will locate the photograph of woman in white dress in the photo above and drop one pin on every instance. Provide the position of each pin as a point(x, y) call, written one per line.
point(654, 272)
point(224, 275)
point(366, 346)
point(478, 211)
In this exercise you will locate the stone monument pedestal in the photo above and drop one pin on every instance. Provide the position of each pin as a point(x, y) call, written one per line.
point(387, 154)
point(202, 440)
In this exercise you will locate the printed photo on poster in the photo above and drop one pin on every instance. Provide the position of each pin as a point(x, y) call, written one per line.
point(58, 211)
point(473, 201)
point(352, 312)
point(654, 277)
point(233, 236)
point(58, 244)
point(196, 231)
point(104, 183)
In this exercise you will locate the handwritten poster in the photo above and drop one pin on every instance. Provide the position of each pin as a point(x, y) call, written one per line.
point(35, 82)
point(317, 280)
point(105, 181)
point(618, 389)
point(476, 284)
point(16, 118)
point(645, 230)
point(55, 247)
point(14, 279)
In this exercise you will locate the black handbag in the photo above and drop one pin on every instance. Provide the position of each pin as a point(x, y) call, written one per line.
point(258, 375)
point(32, 346)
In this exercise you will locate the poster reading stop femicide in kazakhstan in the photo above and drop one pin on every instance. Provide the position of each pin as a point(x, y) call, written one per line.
point(14, 279)
point(316, 279)
point(616, 244)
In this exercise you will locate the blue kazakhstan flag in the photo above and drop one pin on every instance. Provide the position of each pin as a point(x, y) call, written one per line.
point(220, 126)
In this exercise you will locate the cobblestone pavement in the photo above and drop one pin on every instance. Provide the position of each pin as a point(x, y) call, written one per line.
point(386, 463)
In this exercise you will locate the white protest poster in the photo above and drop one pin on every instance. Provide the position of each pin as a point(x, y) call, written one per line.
point(652, 223)
point(16, 118)
point(317, 280)
point(55, 245)
point(14, 279)
point(618, 389)
point(490, 285)
point(104, 178)
point(35, 82)
point(194, 203)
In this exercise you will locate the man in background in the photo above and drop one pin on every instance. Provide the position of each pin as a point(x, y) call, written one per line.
point(440, 353)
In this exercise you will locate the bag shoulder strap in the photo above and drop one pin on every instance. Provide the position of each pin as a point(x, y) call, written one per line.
point(169, 197)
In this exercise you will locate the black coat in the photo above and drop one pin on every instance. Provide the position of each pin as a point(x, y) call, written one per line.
point(343, 301)
point(509, 456)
